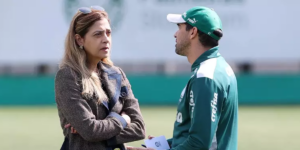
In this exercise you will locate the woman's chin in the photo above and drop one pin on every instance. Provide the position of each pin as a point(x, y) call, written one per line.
point(103, 57)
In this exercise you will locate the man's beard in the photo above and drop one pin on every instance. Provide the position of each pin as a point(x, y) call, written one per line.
point(182, 48)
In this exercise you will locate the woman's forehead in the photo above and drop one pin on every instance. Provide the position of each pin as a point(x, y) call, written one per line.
point(102, 24)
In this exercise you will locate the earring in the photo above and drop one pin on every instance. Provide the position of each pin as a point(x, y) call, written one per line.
point(81, 46)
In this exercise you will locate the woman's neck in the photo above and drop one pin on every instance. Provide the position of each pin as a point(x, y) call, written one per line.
point(92, 66)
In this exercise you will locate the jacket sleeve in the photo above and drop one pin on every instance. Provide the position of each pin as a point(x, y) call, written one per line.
point(79, 114)
point(170, 141)
point(205, 107)
point(136, 129)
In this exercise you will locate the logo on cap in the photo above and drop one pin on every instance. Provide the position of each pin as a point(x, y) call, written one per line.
point(192, 20)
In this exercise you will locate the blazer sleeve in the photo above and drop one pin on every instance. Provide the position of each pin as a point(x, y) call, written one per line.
point(79, 114)
point(136, 129)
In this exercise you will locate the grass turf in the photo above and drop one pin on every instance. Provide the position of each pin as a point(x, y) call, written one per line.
point(260, 127)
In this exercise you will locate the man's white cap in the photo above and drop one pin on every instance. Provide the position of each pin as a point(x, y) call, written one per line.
point(175, 18)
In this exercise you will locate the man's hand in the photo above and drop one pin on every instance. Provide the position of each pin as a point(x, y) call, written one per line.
point(140, 148)
point(72, 129)
point(150, 137)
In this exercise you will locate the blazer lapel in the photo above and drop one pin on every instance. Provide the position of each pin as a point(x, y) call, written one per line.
point(111, 80)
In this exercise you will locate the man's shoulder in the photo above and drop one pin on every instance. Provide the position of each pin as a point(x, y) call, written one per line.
point(207, 69)
point(206, 72)
point(214, 71)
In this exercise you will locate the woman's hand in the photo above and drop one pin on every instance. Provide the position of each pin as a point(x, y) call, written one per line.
point(72, 129)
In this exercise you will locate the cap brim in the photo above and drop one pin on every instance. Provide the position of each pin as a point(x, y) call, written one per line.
point(175, 18)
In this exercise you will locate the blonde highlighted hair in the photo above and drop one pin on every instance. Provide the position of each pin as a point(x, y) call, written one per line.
point(75, 57)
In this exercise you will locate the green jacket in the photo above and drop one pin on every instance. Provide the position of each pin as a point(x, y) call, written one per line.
point(207, 113)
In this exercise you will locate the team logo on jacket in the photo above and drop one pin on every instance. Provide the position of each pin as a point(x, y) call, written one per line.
point(179, 117)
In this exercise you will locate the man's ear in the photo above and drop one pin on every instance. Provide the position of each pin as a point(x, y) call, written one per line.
point(79, 40)
point(193, 33)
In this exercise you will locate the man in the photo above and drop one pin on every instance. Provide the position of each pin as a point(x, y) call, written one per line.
point(207, 117)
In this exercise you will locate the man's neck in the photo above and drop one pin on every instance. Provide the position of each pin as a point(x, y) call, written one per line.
point(195, 52)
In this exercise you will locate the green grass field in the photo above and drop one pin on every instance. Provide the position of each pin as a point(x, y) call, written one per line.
point(260, 128)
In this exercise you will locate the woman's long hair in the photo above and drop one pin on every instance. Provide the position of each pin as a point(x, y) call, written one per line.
point(76, 58)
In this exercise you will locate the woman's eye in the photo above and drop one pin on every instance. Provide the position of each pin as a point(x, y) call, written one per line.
point(98, 33)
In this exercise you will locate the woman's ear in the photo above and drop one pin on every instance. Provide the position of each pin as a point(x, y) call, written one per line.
point(79, 40)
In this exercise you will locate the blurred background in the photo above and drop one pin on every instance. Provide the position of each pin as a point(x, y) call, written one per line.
point(260, 42)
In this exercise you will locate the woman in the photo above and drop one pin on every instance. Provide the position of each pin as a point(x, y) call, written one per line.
point(96, 106)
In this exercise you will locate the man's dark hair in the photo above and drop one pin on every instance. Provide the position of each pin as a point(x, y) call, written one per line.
point(206, 40)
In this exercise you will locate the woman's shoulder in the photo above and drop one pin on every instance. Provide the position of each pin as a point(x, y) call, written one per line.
point(120, 70)
point(66, 72)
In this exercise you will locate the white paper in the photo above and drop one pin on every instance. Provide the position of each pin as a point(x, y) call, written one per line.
point(158, 143)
